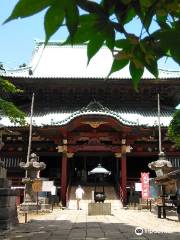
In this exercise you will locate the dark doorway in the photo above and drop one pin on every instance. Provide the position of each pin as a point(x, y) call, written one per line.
point(136, 165)
point(53, 168)
point(83, 162)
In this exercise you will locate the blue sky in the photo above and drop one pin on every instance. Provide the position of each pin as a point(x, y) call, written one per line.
point(17, 38)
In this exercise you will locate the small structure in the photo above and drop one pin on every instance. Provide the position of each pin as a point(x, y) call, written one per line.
point(171, 184)
point(168, 179)
point(161, 166)
point(32, 168)
point(99, 207)
point(99, 172)
point(8, 210)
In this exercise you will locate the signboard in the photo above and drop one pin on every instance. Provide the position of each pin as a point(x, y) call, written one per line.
point(145, 185)
point(138, 187)
point(47, 186)
point(154, 189)
point(37, 186)
point(53, 190)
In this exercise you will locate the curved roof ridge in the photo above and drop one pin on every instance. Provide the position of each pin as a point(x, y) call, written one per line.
point(96, 108)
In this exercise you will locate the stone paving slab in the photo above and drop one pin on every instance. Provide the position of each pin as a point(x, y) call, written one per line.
point(77, 225)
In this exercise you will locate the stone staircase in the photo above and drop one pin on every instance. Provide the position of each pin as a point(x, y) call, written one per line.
point(111, 197)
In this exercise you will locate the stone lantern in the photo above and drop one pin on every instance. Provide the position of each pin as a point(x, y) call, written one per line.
point(161, 166)
point(99, 207)
point(99, 173)
point(32, 168)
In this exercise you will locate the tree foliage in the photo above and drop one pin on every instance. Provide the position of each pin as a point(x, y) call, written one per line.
point(174, 128)
point(104, 22)
point(7, 108)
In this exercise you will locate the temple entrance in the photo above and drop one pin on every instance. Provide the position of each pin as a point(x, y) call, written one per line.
point(83, 162)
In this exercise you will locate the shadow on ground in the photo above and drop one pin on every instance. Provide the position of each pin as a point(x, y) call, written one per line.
point(65, 229)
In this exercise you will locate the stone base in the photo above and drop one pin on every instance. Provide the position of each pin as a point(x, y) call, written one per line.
point(32, 207)
point(8, 209)
point(99, 209)
point(8, 224)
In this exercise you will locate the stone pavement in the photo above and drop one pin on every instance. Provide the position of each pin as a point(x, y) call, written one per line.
point(77, 225)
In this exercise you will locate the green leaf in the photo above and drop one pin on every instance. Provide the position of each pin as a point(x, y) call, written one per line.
point(9, 110)
point(108, 6)
point(152, 67)
point(145, 3)
point(90, 6)
point(175, 46)
point(174, 128)
point(8, 86)
point(130, 15)
point(80, 36)
point(94, 45)
point(138, 10)
point(169, 41)
point(72, 17)
point(163, 25)
point(109, 35)
point(110, 42)
point(26, 8)
point(136, 74)
point(88, 19)
point(148, 18)
point(123, 44)
point(162, 18)
point(85, 31)
point(101, 25)
point(53, 20)
point(118, 65)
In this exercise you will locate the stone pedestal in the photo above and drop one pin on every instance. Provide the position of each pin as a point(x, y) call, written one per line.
point(32, 168)
point(8, 210)
point(99, 208)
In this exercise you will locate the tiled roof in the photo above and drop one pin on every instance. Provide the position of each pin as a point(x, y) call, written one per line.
point(129, 118)
point(57, 61)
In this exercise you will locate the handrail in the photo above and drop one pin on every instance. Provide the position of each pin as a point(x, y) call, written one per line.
point(68, 192)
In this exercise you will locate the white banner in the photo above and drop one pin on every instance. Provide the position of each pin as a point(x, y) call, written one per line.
point(47, 186)
point(138, 187)
point(53, 190)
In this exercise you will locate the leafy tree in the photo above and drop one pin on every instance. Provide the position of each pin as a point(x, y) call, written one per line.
point(105, 21)
point(174, 128)
point(7, 108)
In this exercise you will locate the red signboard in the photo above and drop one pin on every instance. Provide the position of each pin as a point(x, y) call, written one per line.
point(145, 185)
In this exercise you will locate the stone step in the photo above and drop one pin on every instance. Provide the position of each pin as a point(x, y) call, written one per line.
point(111, 197)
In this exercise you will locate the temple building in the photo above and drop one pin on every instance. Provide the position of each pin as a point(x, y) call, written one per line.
point(82, 118)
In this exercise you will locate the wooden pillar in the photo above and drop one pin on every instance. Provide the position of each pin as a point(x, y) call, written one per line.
point(85, 170)
point(63, 150)
point(118, 171)
point(123, 190)
point(64, 178)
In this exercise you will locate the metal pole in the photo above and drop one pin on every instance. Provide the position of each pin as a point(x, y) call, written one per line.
point(25, 215)
point(159, 125)
point(30, 131)
point(37, 199)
